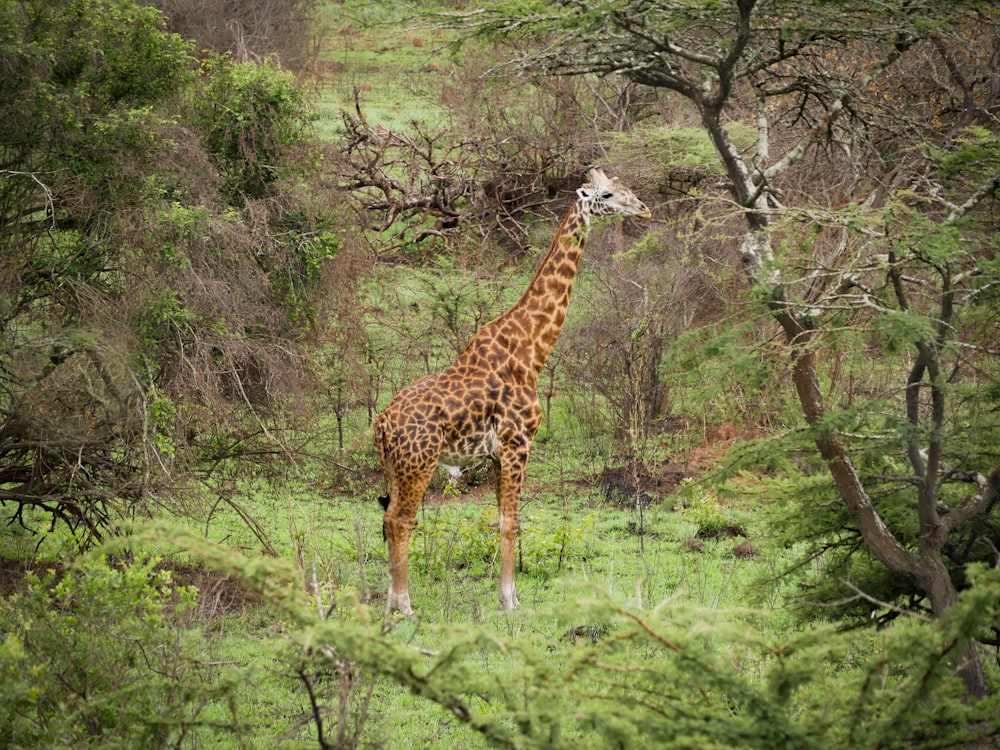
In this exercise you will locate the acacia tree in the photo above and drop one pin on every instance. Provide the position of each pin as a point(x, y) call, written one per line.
point(892, 109)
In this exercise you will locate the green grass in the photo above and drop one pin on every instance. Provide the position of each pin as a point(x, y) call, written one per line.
point(395, 65)
point(579, 559)
point(322, 520)
point(571, 543)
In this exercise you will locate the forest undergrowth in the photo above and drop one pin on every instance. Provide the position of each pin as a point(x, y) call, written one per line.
point(228, 244)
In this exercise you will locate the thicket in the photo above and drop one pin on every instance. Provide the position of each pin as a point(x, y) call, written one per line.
point(192, 284)
point(249, 30)
point(161, 257)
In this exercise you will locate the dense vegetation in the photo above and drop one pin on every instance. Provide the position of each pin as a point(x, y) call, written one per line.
point(761, 510)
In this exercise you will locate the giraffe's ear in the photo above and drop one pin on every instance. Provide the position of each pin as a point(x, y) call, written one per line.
point(583, 192)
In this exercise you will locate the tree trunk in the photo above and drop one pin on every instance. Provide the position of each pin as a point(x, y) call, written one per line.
point(926, 569)
point(751, 188)
point(940, 590)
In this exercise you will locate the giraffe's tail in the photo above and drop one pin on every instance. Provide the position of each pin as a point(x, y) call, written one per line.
point(387, 468)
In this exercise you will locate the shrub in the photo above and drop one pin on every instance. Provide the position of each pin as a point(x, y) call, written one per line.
point(98, 655)
point(251, 116)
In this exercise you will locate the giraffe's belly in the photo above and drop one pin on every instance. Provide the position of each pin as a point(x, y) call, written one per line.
point(462, 452)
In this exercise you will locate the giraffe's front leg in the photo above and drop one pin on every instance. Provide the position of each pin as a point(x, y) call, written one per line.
point(508, 531)
point(509, 500)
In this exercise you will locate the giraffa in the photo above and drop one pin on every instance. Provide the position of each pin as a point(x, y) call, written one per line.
point(485, 405)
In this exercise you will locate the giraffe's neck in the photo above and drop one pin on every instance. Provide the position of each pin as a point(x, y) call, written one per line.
point(528, 331)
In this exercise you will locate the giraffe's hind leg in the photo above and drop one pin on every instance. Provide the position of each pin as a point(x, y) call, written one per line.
point(397, 526)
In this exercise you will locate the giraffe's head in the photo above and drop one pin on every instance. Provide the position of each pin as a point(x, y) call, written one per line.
point(602, 195)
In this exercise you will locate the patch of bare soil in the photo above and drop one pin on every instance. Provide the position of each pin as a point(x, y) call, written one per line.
point(634, 484)
point(693, 544)
point(463, 493)
point(624, 486)
point(718, 439)
point(726, 531)
point(218, 594)
point(13, 574)
point(744, 550)
point(477, 484)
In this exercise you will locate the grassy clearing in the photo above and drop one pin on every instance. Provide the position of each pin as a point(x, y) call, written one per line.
point(573, 543)
point(393, 65)
point(570, 545)
point(701, 571)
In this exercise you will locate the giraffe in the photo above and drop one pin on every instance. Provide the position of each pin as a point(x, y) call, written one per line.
point(485, 405)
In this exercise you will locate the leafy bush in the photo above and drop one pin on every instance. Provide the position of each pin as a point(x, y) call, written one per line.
point(251, 116)
point(128, 281)
point(249, 29)
point(703, 511)
point(99, 655)
point(672, 676)
point(102, 656)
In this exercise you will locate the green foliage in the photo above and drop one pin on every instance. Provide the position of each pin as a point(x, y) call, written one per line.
point(940, 245)
point(315, 252)
point(81, 78)
point(99, 655)
point(584, 669)
point(723, 374)
point(456, 537)
point(674, 675)
point(704, 511)
point(251, 116)
point(418, 320)
point(451, 538)
point(112, 232)
point(104, 52)
point(685, 149)
point(552, 542)
point(977, 151)
point(159, 318)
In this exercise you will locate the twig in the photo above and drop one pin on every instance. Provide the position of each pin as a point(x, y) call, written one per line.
point(859, 594)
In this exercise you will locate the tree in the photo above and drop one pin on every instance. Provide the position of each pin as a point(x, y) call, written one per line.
point(159, 261)
point(249, 30)
point(77, 96)
point(898, 104)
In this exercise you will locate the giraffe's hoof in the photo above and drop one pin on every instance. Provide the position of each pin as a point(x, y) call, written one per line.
point(399, 603)
point(508, 600)
point(400, 614)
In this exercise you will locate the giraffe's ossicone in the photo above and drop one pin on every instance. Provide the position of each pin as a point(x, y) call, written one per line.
point(485, 405)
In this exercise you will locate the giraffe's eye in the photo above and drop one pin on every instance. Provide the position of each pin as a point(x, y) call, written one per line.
point(606, 196)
